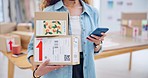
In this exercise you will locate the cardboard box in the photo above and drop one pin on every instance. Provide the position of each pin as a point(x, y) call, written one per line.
point(134, 16)
point(135, 23)
point(24, 27)
point(7, 41)
point(25, 37)
point(124, 22)
point(132, 23)
point(131, 31)
point(60, 50)
point(7, 27)
point(51, 23)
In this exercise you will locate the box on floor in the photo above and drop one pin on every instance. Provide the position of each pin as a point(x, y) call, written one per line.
point(25, 37)
point(7, 27)
point(62, 50)
point(7, 40)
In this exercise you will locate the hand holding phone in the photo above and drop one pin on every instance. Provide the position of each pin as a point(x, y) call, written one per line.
point(98, 31)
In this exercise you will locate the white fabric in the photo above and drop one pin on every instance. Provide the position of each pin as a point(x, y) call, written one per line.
point(76, 27)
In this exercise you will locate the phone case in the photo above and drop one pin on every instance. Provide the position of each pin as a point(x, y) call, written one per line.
point(98, 31)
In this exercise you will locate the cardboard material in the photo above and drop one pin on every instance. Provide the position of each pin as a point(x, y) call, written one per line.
point(25, 37)
point(51, 23)
point(24, 27)
point(7, 27)
point(60, 50)
point(131, 31)
point(134, 16)
point(132, 23)
point(7, 41)
point(136, 23)
point(124, 22)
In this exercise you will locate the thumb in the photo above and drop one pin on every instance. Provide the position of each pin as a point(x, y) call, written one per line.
point(46, 62)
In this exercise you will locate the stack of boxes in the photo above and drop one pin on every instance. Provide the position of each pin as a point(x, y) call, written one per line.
point(52, 40)
point(132, 24)
point(25, 37)
point(7, 27)
point(17, 34)
point(26, 27)
point(7, 41)
point(25, 31)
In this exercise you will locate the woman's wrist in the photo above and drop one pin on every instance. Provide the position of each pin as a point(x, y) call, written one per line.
point(34, 75)
point(97, 45)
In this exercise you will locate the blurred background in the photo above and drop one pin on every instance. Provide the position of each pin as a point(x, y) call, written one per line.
point(125, 47)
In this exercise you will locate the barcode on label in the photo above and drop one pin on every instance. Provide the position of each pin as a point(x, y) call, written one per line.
point(66, 57)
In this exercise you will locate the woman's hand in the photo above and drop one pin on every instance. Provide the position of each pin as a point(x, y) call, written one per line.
point(96, 40)
point(44, 68)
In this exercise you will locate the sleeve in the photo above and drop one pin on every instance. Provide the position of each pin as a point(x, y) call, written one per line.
point(30, 48)
point(96, 16)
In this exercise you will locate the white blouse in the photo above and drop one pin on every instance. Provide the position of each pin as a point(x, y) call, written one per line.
point(76, 27)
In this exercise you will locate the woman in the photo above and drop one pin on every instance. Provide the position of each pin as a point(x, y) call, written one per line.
point(83, 20)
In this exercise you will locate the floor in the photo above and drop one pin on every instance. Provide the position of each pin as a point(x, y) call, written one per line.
point(111, 67)
point(117, 66)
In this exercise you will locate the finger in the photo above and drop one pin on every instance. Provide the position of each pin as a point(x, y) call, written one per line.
point(103, 34)
point(45, 63)
point(92, 39)
point(102, 39)
point(54, 67)
point(96, 37)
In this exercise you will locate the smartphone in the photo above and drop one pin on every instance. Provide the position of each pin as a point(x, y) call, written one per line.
point(98, 31)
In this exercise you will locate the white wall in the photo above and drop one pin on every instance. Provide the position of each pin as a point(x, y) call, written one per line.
point(147, 10)
point(109, 17)
point(1, 14)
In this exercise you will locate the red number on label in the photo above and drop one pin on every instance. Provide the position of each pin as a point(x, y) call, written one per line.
point(10, 43)
point(40, 50)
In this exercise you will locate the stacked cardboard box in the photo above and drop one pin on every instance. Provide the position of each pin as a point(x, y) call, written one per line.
point(132, 28)
point(7, 27)
point(52, 40)
point(60, 50)
point(26, 27)
point(25, 37)
point(131, 24)
point(7, 41)
point(51, 23)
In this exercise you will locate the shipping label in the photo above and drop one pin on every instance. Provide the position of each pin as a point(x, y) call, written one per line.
point(55, 49)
